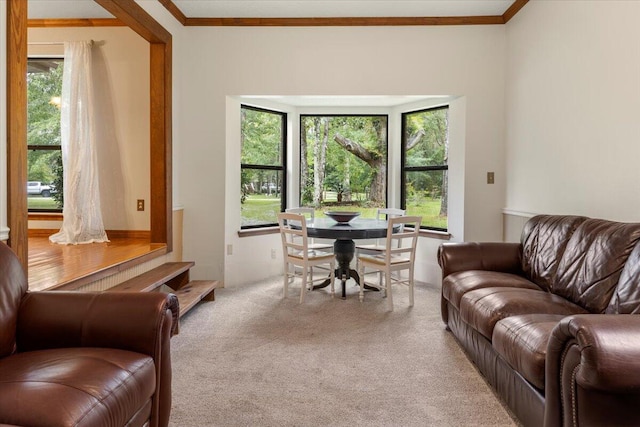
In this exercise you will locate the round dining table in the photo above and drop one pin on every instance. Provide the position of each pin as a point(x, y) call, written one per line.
point(344, 246)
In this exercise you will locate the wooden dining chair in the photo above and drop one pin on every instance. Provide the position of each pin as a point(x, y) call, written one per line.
point(379, 245)
point(314, 245)
point(310, 214)
point(399, 254)
point(296, 254)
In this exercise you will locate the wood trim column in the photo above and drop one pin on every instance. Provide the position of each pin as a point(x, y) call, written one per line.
point(161, 144)
point(17, 128)
point(161, 208)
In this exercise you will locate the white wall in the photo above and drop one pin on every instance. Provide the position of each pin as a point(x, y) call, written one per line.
point(572, 104)
point(220, 63)
point(121, 75)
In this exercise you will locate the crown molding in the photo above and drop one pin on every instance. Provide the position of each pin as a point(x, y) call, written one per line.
point(343, 21)
point(174, 10)
point(294, 22)
point(89, 22)
point(513, 9)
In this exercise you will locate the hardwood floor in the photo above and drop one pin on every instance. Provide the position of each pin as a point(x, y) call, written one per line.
point(53, 266)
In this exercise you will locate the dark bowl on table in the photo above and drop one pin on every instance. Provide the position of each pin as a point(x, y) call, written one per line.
point(342, 216)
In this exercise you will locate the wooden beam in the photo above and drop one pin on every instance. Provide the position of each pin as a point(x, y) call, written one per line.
point(17, 128)
point(92, 22)
point(161, 144)
point(513, 9)
point(174, 10)
point(344, 22)
point(133, 15)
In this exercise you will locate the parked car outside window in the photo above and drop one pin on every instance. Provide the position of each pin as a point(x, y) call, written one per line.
point(37, 187)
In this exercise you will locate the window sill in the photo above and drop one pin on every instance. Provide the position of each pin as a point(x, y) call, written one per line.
point(44, 216)
point(258, 231)
point(442, 235)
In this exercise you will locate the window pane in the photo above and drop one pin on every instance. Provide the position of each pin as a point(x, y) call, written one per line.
point(262, 179)
point(44, 88)
point(343, 163)
point(426, 197)
point(43, 185)
point(425, 148)
point(44, 160)
point(426, 138)
point(261, 197)
point(262, 137)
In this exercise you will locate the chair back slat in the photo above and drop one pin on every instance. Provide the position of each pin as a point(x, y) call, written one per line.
point(399, 254)
point(385, 215)
point(296, 252)
point(293, 230)
point(388, 213)
point(402, 236)
point(308, 213)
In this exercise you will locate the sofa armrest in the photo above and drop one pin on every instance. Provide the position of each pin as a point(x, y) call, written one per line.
point(609, 347)
point(593, 359)
point(493, 256)
point(124, 320)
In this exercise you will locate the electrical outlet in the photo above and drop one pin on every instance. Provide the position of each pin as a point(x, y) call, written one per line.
point(140, 204)
point(229, 249)
point(490, 178)
point(273, 254)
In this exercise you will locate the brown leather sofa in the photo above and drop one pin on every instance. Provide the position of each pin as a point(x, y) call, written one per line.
point(80, 358)
point(550, 321)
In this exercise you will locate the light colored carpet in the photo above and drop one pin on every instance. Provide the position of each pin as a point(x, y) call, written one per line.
point(252, 358)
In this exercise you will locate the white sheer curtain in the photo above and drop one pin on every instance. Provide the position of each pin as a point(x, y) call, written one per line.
point(82, 217)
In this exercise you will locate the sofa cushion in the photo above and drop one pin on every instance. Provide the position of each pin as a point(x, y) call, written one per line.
point(593, 261)
point(455, 285)
point(75, 387)
point(482, 308)
point(626, 297)
point(522, 343)
point(544, 239)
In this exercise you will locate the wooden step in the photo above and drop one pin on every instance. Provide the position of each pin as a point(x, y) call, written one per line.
point(195, 291)
point(172, 277)
point(173, 274)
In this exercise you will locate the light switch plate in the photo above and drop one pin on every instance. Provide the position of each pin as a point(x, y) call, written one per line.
point(490, 178)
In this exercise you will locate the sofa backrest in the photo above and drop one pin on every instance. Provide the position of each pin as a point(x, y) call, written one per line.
point(13, 286)
point(626, 296)
point(544, 239)
point(592, 262)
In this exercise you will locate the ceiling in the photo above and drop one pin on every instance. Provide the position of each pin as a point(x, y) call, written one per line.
point(61, 9)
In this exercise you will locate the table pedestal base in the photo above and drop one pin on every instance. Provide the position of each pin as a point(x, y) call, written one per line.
point(344, 251)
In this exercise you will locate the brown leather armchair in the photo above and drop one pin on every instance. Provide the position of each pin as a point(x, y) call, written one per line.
point(82, 358)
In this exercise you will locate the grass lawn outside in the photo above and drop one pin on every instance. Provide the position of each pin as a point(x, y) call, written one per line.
point(263, 209)
point(39, 202)
point(260, 209)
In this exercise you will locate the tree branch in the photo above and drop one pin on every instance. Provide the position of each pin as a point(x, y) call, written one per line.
point(356, 149)
point(414, 139)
